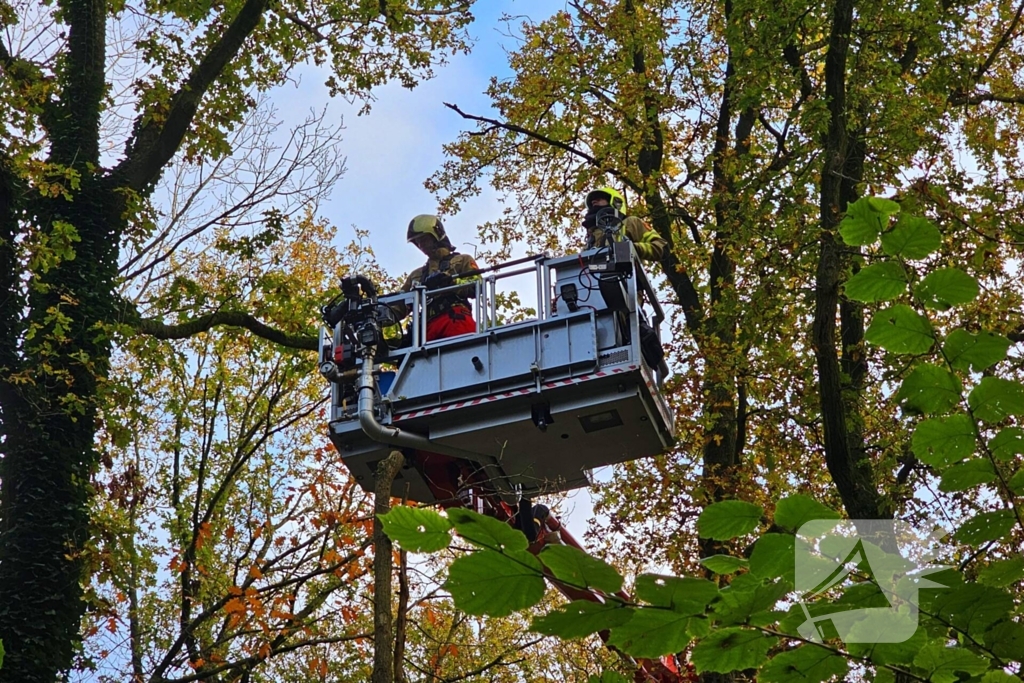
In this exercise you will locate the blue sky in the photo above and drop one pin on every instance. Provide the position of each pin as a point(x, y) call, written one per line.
point(394, 148)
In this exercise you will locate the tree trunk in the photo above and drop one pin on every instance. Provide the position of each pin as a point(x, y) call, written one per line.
point(383, 646)
point(402, 619)
point(845, 453)
point(49, 452)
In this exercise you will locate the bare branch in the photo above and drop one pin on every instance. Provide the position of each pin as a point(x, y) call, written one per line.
point(292, 178)
point(531, 134)
point(497, 661)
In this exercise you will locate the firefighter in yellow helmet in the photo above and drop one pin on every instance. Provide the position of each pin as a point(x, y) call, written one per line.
point(606, 220)
point(449, 314)
point(607, 202)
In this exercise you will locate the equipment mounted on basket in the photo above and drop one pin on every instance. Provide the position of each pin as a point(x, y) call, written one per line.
point(511, 410)
point(360, 319)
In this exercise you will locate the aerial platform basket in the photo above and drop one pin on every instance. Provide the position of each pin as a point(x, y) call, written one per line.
point(526, 407)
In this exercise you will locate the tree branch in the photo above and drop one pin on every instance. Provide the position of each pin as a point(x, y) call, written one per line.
point(155, 144)
point(306, 26)
point(974, 98)
point(160, 330)
point(28, 73)
point(532, 134)
point(1003, 40)
point(497, 661)
point(792, 56)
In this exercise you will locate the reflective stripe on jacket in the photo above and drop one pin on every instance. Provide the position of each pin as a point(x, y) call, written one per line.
point(648, 243)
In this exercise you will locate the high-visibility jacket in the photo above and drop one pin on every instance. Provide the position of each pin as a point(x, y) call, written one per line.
point(648, 243)
point(453, 264)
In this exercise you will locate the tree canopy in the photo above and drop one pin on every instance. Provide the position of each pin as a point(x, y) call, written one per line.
point(840, 188)
point(98, 101)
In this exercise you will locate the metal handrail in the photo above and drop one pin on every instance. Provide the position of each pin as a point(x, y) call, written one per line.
point(484, 295)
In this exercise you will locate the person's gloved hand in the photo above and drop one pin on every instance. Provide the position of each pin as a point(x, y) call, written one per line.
point(437, 280)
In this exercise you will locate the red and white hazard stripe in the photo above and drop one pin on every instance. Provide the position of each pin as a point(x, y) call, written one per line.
point(510, 394)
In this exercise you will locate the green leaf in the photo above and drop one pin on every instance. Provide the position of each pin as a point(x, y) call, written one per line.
point(792, 512)
point(929, 389)
point(1003, 573)
point(495, 584)
point(886, 207)
point(892, 653)
point(486, 532)
point(884, 675)
point(577, 568)
point(947, 287)
point(900, 329)
point(942, 663)
point(731, 649)
point(804, 664)
point(863, 222)
point(1016, 482)
point(862, 595)
point(417, 530)
point(967, 475)
point(749, 599)
point(999, 676)
point(681, 594)
point(580, 618)
point(1006, 641)
point(728, 519)
point(724, 564)
point(966, 351)
point(972, 608)
point(878, 282)
point(912, 237)
point(652, 632)
point(987, 526)
point(774, 556)
point(1007, 443)
point(942, 441)
point(994, 399)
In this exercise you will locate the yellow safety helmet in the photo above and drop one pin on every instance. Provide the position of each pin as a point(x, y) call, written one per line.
point(614, 197)
point(427, 224)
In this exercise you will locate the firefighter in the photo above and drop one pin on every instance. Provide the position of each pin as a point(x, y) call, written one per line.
point(449, 314)
point(648, 243)
point(606, 219)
